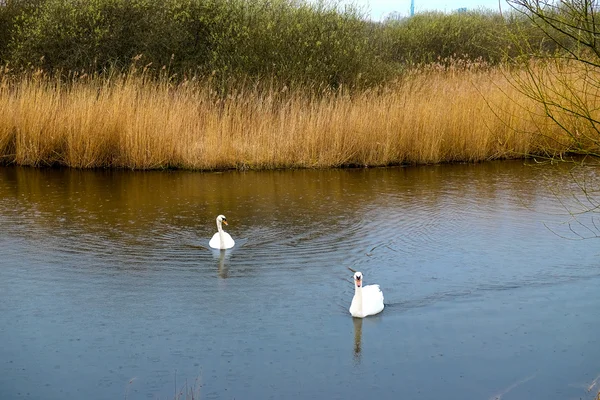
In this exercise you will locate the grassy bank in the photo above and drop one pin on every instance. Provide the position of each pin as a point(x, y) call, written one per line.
point(432, 115)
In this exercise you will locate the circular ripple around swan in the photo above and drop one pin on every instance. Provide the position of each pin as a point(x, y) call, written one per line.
point(302, 246)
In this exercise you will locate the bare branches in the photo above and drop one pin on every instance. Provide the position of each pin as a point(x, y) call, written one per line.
point(571, 25)
point(565, 84)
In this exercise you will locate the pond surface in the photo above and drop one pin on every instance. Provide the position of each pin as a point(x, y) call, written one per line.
point(108, 289)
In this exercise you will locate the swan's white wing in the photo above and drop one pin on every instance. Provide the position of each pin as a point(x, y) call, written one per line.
point(215, 242)
point(229, 242)
point(372, 300)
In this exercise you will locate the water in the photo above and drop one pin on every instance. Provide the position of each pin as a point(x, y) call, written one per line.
point(108, 288)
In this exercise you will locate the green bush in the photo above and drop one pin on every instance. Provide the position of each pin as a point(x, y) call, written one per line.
point(289, 40)
point(87, 34)
point(294, 42)
point(429, 37)
point(11, 11)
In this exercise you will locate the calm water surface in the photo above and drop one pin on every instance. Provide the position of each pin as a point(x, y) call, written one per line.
point(108, 289)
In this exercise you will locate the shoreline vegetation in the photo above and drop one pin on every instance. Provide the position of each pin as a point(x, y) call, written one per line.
point(128, 121)
point(234, 84)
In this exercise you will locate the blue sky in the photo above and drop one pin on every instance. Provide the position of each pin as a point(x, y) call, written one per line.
point(380, 8)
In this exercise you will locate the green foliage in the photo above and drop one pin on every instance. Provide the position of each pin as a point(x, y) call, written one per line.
point(294, 42)
point(10, 11)
point(288, 40)
point(85, 34)
point(433, 36)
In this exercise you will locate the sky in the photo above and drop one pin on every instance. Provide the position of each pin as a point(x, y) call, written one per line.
point(380, 8)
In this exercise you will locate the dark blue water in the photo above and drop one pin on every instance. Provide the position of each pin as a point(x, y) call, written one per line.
point(108, 288)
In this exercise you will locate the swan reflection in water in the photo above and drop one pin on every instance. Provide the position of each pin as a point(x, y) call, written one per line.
point(357, 338)
point(223, 257)
point(222, 269)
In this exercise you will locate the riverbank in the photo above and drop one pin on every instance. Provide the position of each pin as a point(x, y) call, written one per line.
point(433, 115)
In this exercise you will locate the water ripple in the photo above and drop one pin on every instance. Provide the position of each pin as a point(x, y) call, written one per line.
point(107, 276)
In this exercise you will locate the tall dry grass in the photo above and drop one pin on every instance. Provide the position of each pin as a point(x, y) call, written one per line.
point(431, 116)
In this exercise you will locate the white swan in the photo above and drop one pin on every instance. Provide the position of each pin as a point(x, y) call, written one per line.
point(367, 300)
point(221, 239)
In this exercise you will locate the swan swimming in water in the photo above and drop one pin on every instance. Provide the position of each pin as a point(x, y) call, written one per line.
point(367, 300)
point(221, 240)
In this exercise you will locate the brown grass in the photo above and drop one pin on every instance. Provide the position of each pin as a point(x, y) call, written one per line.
point(431, 116)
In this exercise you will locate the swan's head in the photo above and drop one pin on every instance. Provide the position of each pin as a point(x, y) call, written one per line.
point(221, 218)
point(358, 278)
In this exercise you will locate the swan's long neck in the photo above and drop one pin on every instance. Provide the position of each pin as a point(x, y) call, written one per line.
point(358, 296)
point(221, 236)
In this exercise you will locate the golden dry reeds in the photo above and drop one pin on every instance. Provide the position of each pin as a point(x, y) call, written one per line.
point(126, 121)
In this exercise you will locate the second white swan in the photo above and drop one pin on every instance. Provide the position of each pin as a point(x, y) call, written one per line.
point(367, 300)
point(221, 239)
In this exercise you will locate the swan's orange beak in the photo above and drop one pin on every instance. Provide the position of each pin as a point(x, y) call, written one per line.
point(358, 282)
point(225, 222)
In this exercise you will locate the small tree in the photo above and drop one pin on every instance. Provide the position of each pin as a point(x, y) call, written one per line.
point(565, 77)
point(562, 74)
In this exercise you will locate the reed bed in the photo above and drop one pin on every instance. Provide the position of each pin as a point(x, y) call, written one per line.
point(432, 115)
